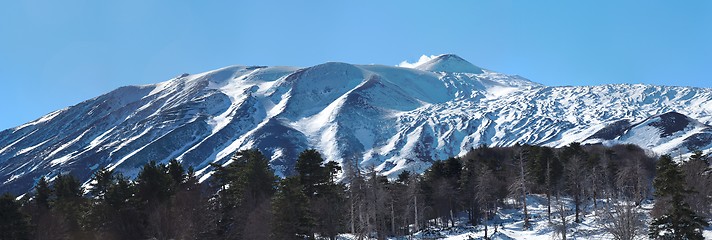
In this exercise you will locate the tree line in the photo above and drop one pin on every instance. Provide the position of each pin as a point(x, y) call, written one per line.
point(246, 200)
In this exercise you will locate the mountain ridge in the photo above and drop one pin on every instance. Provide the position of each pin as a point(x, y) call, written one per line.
point(386, 117)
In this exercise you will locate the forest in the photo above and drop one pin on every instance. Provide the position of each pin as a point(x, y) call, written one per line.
point(246, 200)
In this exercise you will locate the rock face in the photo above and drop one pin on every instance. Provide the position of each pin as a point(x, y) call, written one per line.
point(391, 118)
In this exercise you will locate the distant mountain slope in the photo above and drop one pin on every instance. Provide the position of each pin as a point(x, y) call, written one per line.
point(392, 118)
point(670, 132)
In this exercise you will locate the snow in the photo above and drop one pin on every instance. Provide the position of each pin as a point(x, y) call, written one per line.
point(159, 87)
point(12, 178)
point(70, 143)
point(112, 166)
point(42, 119)
point(509, 221)
point(26, 150)
point(500, 91)
point(99, 139)
point(15, 142)
point(127, 141)
point(395, 118)
point(219, 122)
point(449, 63)
point(60, 160)
point(646, 135)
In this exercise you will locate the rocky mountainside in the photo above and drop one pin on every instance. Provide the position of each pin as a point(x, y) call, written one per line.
point(387, 117)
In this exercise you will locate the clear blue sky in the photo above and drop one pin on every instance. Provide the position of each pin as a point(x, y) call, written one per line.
point(54, 54)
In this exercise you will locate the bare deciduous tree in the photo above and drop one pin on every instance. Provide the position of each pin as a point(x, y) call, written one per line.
point(519, 185)
point(623, 221)
point(561, 228)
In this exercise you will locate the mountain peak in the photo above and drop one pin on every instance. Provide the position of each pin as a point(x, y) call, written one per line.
point(449, 63)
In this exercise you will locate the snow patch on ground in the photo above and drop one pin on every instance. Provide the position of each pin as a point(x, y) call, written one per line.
point(26, 150)
point(509, 223)
point(499, 91)
point(15, 142)
point(60, 160)
point(70, 143)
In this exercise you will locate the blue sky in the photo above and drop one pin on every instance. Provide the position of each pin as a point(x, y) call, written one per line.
point(54, 54)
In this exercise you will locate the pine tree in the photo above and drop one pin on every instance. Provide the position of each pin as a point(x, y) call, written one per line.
point(13, 223)
point(46, 224)
point(42, 193)
point(441, 188)
point(468, 189)
point(311, 172)
point(70, 203)
point(114, 213)
point(325, 196)
point(125, 219)
point(291, 211)
point(154, 189)
point(399, 204)
point(673, 218)
point(99, 212)
point(189, 209)
point(119, 194)
point(153, 184)
point(101, 180)
point(246, 184)
point(176, 171)
point(403, 177)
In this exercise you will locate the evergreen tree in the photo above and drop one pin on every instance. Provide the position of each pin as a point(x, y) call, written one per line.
point(399, 203)
point(246, 184)
point(403, 177)
point(291, 211)
point(125, 219)
point(154, 189)
point(99, 217)
point(13, 223)
point(42, 194)
point(176, 171)
point(441, 189)
point(46, 224)
point(153, 184)
point(70, 203)
point(673, 218)
point(189, 209)
point(119, 194)
point(311, 172)
point(101, 180)
point(468, 189)
point(325, 196)
point(115, 212)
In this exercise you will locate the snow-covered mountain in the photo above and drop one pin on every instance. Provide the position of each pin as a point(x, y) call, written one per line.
point(388, 117)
